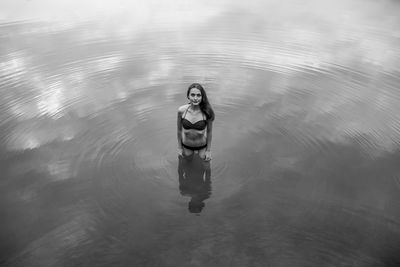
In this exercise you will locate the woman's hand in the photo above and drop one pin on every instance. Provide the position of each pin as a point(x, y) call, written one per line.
point(180, 152)
point(207, 156)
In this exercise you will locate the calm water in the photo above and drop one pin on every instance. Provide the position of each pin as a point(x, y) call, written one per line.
point(306, 145)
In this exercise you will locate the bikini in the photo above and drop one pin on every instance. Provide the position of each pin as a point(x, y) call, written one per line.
point(199, 125)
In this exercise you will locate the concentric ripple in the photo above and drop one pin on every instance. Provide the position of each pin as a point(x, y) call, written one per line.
point(305, 143)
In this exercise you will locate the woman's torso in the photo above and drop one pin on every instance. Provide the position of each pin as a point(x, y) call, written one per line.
point(194, 127)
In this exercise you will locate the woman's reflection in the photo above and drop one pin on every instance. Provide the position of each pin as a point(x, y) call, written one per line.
point(194, 181)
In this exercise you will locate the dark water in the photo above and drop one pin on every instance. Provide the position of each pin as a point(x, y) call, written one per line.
point(306, 144)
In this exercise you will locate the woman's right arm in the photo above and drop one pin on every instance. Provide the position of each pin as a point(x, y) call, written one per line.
point(179, 129)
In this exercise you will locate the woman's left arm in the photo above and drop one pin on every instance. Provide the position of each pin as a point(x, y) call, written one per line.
point(209, 139)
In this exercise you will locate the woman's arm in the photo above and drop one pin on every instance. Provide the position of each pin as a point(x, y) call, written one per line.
point(179, 128)
point(209, 138)
point(209, 135)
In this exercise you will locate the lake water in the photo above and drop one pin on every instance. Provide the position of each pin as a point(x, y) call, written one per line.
point(306, 141)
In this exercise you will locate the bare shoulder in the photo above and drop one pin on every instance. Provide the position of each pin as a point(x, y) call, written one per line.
point(182, 109)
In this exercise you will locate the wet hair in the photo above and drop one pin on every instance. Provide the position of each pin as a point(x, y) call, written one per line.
point(204, 104)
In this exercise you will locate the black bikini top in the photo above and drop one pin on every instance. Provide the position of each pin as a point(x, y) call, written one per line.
point(199, 125)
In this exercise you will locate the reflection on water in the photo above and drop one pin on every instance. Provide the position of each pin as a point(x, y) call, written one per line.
point(195, 181)
point(305, 144)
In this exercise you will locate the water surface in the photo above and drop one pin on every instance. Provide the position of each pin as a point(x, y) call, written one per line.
point(305, 168)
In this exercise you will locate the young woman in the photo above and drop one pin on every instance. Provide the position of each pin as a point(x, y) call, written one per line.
point(195, 124)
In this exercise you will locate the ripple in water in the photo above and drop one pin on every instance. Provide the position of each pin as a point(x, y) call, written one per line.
point(305, 141)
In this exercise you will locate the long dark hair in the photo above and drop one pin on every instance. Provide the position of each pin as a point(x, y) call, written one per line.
point(204, 104)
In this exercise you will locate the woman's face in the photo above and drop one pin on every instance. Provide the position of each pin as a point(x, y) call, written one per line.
point(195, 96)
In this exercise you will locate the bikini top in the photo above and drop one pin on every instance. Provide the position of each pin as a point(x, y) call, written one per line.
point(199, 125)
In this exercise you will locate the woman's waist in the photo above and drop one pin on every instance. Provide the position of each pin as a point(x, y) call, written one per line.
point(194, 135)
point(194, 141)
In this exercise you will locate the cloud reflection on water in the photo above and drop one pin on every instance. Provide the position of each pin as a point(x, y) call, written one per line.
point(327, 58)
point(303, 88)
